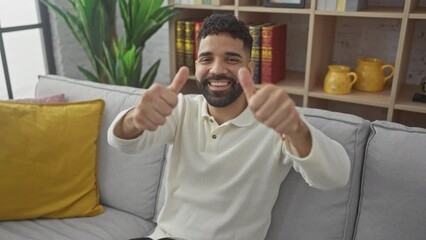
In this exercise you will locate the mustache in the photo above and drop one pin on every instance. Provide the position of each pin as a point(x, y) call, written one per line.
point(218, 77)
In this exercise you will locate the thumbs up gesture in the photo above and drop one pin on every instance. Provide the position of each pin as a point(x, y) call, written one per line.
point(272, 106)
point(155, 105)
point(158, 102)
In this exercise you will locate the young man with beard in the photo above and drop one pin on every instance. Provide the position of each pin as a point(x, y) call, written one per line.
point(232, 145)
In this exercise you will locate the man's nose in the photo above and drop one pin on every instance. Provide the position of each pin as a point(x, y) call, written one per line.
point(217, 68)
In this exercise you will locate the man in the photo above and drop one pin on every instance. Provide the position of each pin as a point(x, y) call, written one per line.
point(232, 145)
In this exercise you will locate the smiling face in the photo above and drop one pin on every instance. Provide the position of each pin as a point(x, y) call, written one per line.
point(219, 59)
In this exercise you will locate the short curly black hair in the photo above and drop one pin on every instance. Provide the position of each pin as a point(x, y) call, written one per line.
point(218, 23)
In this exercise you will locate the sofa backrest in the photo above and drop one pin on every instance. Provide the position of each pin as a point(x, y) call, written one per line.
point(393, 188)
point(302, 212)
point(126, 182)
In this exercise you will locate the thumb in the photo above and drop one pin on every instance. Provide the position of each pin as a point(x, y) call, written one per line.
point(179, 80)
point(247, 83)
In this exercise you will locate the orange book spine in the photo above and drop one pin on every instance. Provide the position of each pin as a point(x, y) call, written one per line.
point(197, 28)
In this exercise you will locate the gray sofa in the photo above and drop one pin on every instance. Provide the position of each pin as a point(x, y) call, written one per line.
point(385, 198)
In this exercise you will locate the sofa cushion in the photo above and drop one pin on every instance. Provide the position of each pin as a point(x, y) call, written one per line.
point(393, 192)
point(111, 225)
point(302, 212)
point(57, 98)
point(126, 182)
point(48, 159)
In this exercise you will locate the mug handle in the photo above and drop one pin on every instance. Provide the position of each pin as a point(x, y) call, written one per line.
point(391, 68)
point(354, 76)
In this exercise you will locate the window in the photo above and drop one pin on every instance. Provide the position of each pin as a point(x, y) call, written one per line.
point(25, 47)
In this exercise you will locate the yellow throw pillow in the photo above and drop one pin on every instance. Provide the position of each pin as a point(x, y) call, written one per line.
point(48, 159)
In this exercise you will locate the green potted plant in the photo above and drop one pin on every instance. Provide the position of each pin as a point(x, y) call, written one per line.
point(115, 60)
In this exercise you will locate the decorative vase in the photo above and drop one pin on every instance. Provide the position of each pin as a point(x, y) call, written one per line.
point(339, 79)
point(371, 74)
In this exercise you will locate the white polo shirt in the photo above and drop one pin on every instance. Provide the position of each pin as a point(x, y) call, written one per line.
point(222, 181)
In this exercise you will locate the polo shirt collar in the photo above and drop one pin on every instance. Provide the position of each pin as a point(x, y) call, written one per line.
point(246, 118)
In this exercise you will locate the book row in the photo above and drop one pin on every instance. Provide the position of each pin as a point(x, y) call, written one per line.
point(268, 51)
point(342, 5)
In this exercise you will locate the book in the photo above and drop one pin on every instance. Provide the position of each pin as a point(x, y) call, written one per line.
point(197, 27)
point(180, 43)
point(356, 5)
point(189, 46)
point(222, 2)
point(341, 5)
point(256, 34)
point(331, 5)
point(273, 44)
point(321, 4)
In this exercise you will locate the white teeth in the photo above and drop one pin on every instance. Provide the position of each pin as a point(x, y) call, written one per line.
point(219, 83)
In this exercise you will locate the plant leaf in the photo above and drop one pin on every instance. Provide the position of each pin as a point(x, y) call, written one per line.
point(109, 75)
point(125, 16)
point(89, 75)
point(149, 76)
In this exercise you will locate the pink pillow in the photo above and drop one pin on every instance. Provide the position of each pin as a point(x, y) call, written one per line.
point(59, 98)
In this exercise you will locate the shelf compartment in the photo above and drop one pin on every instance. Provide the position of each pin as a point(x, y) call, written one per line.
point(368, 112)
point(376, 99)
point(404, 100)
point(418, 13)
point(293, 82)
point(296, 45)
point(415, 60)
point(342, 40)
point(412, 119)
point(297, 99)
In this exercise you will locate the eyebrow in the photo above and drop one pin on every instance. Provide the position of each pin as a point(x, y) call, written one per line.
point(232, 54)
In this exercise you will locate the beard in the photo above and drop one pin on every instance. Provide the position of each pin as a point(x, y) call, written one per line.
point(220, 98)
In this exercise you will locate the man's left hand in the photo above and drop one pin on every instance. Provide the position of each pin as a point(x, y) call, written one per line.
point(272, 106)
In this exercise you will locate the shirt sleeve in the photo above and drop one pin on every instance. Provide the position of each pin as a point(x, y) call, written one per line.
point(326, 167)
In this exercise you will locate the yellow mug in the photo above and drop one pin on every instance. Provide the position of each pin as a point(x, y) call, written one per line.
point(339, 79)
point(371, 74)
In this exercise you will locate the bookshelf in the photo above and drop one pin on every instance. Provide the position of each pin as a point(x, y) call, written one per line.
point(312, 46)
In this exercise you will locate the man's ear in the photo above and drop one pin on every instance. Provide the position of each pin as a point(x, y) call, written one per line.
point(251, 68)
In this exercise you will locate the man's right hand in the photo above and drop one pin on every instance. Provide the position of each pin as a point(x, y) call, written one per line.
point(155, 105)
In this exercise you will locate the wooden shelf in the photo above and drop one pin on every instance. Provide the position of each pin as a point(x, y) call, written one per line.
point(376, 99)
point(382, 12)
point(205, 7)
point(393, 103)
point(274, 10)
point(404, 100)
point(419, 13)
